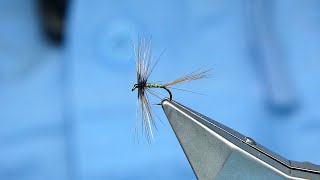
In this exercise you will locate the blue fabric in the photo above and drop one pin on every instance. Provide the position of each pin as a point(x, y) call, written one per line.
point(69, 113)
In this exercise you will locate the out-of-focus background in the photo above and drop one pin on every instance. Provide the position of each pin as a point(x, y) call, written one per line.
point(66, 71)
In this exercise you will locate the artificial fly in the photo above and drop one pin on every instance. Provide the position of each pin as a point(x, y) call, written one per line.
point(144, 67)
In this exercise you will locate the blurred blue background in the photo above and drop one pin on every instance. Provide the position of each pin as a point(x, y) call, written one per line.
point(66, 72)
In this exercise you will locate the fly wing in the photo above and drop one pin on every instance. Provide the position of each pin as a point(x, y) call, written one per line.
point(143, 59)
point(147, 116)
point(144, 66)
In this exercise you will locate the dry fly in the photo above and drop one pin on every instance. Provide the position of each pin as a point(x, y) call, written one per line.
point(144, 66)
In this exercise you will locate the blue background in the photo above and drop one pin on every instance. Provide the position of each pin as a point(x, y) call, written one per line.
point(68, 112)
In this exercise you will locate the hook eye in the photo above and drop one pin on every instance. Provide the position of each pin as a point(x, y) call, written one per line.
point(134, 87)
